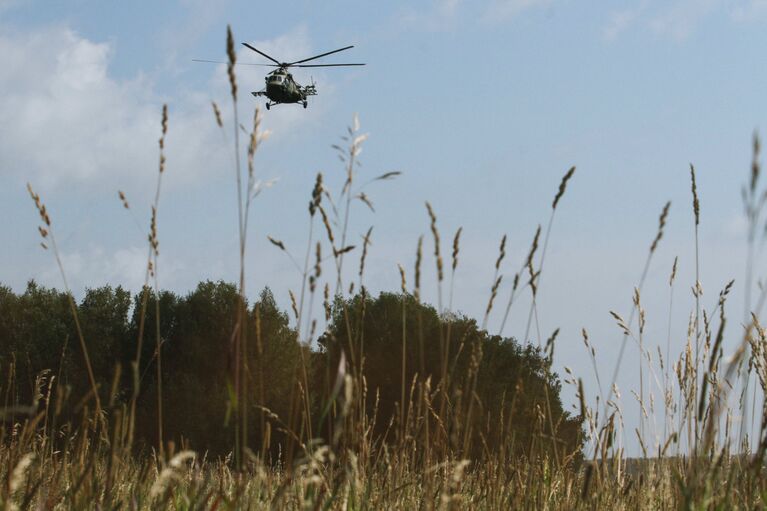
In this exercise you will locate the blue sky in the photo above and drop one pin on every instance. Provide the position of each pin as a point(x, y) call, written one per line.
point(483, 105)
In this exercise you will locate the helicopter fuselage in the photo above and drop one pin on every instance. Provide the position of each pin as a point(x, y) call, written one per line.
point(282, 88)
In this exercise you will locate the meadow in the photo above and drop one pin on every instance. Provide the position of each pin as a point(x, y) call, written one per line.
point(207, 401)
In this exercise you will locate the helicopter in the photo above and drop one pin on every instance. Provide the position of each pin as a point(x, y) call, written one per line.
point(281, 87)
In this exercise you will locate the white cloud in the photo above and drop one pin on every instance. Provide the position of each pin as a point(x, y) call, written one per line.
point(64, 120)
point(96, 265)
point(620, 21)
point(438, 16)
point(443, 15)
point(448, 7)
point(749, 10)
point(682, 18)
point(78, 135)
point(199, 16)
point(504, 10)
point(6, 5)
point(293, 45)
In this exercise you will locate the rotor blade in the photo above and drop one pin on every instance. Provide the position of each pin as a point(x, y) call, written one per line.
point(237, 63)
point(320, 55)
point(325, 65)
point(260, 53)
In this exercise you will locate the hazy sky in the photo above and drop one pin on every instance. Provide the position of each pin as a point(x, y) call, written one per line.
point(483, 105)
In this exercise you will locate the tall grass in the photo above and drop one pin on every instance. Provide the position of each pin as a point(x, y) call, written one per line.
point(697, 461)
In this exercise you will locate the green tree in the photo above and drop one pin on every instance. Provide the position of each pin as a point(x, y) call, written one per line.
point(37, 333)
point(488, 381)
point(197, 363)
point(104, 317)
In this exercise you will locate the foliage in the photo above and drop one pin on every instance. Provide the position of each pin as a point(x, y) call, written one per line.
point(37, 332)
point(513, 383)
point(196, 332)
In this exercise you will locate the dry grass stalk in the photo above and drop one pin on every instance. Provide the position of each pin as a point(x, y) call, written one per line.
point(355, 469)
point(456, 247)
point(435, 235)
point(418, 256)
point(535, 279)
point(562, 187)
point(661, 225)
point(365, 245)
point(217, 114)
point(232, 56)
point(46, 233)
point(695, 201)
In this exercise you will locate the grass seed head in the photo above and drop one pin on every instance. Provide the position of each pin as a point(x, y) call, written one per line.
point(19, 473)
point(154, 241)
point(343, 250)
point(621, 323)
point(362, 196)
point(418, 256)
point(562, 187)
point(326, 302)
point(530, 256)
point(695, 201)
point(456, 247)
point(365, 244)
point(550, 343)
point(755, 168)
point(232, 61)
point(123, 199)
point(329, 229)
point(493, 294)
point(581, 397)
point(533, 248)
point(293, 304)
point(316, 195)
point(277, 243)
point(217, 114)
point(673, 272)
point(435, 235)
point(501, 253)
point(317, 268)
point(164, 124)
point(165, 119)
point(661, 226)
point(40, 206)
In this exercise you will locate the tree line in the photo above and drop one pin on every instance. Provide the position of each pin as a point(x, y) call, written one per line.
point(496, 391)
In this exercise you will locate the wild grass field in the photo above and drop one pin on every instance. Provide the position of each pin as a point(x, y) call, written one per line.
point(208, 401)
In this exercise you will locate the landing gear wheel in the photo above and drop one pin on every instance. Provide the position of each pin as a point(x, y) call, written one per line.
point(305, 103)
point(268, 105)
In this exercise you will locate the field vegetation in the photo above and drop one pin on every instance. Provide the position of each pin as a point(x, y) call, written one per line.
point(154, 400)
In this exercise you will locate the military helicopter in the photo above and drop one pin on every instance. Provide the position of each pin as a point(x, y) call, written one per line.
point(281, 87)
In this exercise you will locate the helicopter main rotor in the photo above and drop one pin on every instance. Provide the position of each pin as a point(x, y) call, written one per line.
point(285, 65)
point(300, 63)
